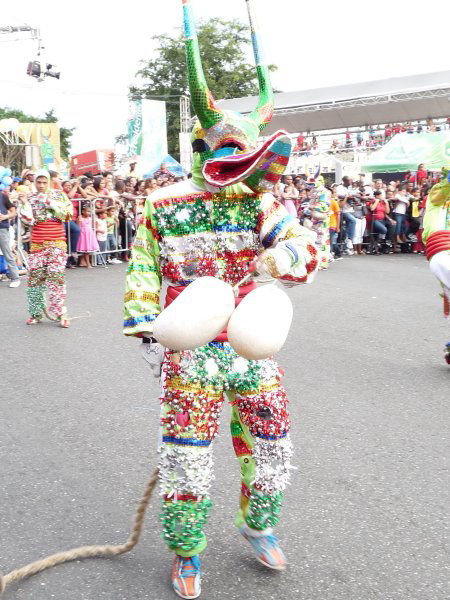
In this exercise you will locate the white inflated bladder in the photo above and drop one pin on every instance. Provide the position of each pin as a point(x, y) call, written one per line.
point(259, 326)
point(440, 267)
point(196, 316)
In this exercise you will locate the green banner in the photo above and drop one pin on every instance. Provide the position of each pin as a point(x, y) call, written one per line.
point(135, 128)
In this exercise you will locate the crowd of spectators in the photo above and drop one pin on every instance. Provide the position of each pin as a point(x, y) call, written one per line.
point(371, 138)
point(381, 216)
point(106, 212)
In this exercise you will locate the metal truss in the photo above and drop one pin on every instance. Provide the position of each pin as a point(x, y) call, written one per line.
point(185, 114)
point(369, 101)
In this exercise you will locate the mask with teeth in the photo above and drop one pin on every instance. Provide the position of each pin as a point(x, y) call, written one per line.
point(226, 144)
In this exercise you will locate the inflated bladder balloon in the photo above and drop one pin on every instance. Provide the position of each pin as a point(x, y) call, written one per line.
point(259, 326)
point(6, 180)
point(7, 172)
point(196, 316)
point(2, 172)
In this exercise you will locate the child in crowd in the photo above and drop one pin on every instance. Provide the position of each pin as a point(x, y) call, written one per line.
point(289, 198)
point(112, 223)
point(101, 231)
point(87, 242)
point(334, 226)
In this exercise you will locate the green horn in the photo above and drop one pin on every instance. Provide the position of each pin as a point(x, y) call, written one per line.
point(264, 111)
point(204, 105)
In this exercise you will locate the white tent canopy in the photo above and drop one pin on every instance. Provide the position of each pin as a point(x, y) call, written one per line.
point(395, 100)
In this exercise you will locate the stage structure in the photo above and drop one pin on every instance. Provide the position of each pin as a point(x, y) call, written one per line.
point(395, 100)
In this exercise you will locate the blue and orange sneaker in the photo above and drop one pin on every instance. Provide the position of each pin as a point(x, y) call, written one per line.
point(266, 548)
point(186, 576)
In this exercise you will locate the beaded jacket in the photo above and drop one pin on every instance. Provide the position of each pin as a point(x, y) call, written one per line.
point(49, 206)
point(186, 233)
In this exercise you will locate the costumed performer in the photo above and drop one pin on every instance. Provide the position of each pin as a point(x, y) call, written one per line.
point(436, 236)
point(217, 224)
point(319, 213)
point(46, 211)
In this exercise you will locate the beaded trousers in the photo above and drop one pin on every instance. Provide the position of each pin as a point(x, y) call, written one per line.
point(194, 387)
point(47, 264)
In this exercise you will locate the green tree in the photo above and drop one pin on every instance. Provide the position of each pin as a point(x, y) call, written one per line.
point(15, 155)
point(223, 46)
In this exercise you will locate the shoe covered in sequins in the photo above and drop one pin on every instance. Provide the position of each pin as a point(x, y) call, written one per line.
point(266, 548)
point(34, 320)
point(64, 321)
point(186, 576)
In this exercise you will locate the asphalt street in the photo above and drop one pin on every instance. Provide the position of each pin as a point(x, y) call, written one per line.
point(365, 515)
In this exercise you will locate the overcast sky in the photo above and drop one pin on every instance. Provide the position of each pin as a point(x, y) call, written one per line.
point(97, 46)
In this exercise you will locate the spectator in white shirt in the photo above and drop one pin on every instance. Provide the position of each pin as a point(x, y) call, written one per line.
point(378, 187)
point(400, 206)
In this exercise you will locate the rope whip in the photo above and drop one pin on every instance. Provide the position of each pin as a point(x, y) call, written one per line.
point(87, 551)
point(97, 551)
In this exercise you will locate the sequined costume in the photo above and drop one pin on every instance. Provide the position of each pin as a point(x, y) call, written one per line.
point(216, 224)
point(436, 236)
point(319, 210)
point(46, 213)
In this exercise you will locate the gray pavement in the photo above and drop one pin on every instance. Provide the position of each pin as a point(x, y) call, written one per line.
point(365, 516)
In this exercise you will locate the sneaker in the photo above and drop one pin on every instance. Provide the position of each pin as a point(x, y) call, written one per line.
point(266, 548)
point(64, 321)
point(34, 320)
point(15, 283)
point(186, 576)
point(116, 261)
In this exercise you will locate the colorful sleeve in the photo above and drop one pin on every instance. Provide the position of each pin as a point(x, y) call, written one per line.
point(280, 230)
point(143, 282)
point(60, 206)
point(440, 193)
point(26, 214)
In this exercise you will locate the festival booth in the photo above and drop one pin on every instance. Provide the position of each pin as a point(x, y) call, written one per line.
point(405, 151)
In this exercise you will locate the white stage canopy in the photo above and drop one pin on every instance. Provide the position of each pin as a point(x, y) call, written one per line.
point(395, 100)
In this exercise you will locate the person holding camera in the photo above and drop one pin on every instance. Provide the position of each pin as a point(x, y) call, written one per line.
point(380, 214)
point(359, 212)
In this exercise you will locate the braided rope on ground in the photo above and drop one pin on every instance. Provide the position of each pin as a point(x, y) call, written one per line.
point(87, 551)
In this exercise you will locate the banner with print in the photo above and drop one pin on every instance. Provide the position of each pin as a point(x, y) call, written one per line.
point(154, 133)
point(135, 128)
point(45, 138)
point(147, 133)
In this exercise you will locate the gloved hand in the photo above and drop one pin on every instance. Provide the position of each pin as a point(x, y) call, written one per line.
point(275, 262)
point(153, 353)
